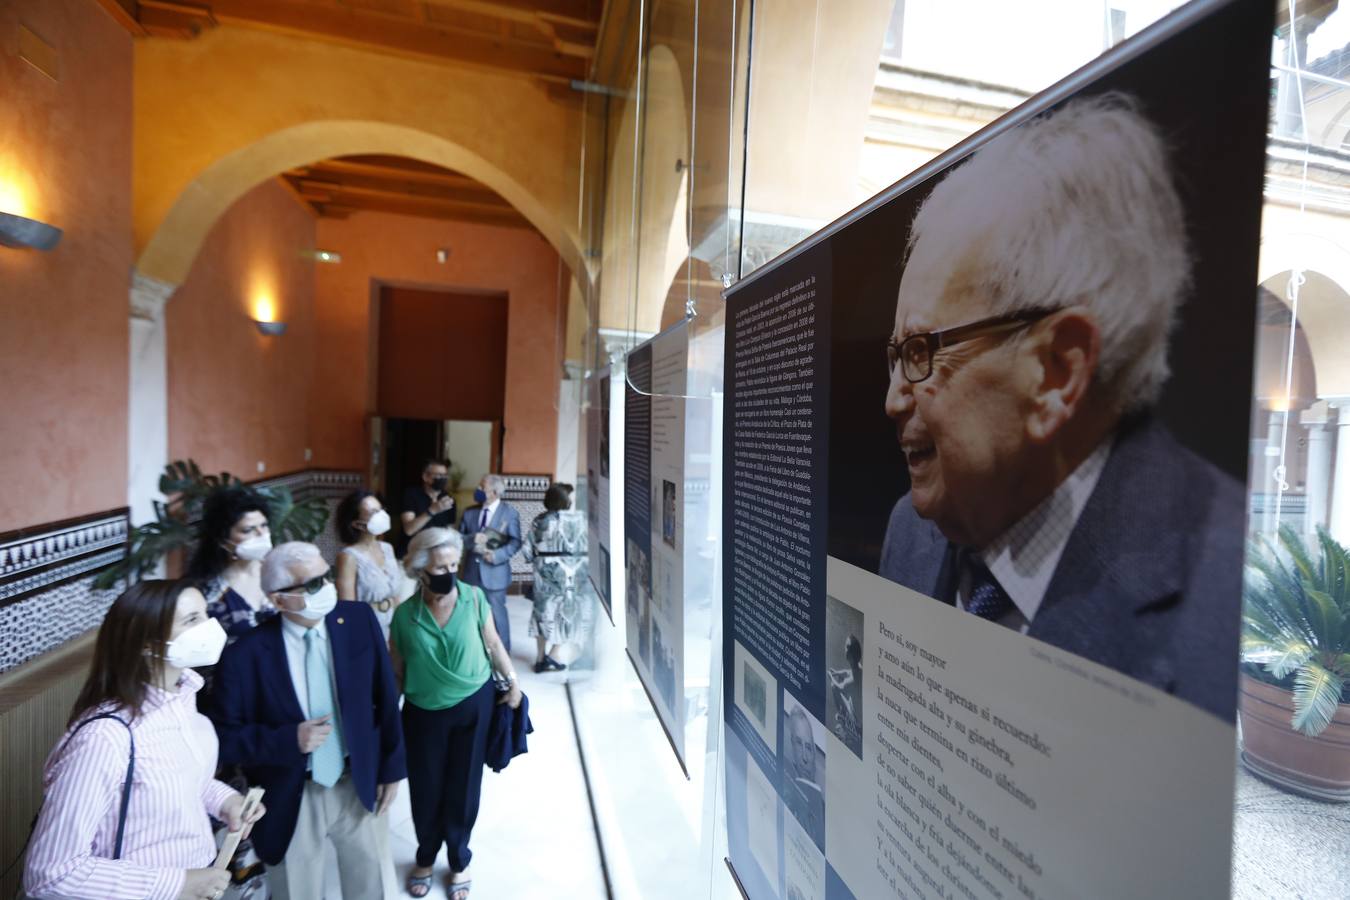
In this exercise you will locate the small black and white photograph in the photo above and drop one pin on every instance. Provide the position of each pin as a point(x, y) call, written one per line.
point(633, 584)
point(645, 628)
point(753, 694)
point(668, 516)
point(801, 754)
point(663, 667)
point(844, 672)
point(604, 571)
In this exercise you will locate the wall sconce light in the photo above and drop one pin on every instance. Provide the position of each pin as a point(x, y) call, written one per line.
point(22, 233)
point(442, 255)
point(323, 256)
point(271, 329)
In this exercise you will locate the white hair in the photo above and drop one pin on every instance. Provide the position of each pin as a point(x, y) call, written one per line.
point(496, 483)
point(426, 542)
point(277, 564)
point(1075, 208)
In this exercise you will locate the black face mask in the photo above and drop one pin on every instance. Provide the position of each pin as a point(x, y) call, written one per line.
point(441, 584)
point(438, 484)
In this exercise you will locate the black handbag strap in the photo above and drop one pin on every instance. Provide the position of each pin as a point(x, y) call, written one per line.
point(126, 790)
point(126, 785)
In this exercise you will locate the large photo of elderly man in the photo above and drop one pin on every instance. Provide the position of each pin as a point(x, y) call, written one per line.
point(1051, 446)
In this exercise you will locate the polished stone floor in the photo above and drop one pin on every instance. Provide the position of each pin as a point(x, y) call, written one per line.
point(1288, 846)
point(535, 836)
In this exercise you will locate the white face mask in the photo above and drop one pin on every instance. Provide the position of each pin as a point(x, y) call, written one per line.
point(320, 604)
point(378, 523)
point(253, 549)
point(200, 645)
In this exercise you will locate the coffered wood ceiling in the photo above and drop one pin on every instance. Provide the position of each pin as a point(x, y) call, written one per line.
point(336, 188)
point(553, 40)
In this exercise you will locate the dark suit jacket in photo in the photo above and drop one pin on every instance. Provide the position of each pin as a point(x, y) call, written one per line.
point(257, 714)
point(490, 576)
point(1150, 583)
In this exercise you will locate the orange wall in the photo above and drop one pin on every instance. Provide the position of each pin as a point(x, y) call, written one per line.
point(237, 397)
point(402, 250)
point(65, 158)
point(422, 354)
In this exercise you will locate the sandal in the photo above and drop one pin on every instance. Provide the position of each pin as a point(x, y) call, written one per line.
point(552, 665)
point(420, 885)
point(458, 890)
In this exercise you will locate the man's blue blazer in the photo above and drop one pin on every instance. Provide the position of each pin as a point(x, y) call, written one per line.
point(257, 715)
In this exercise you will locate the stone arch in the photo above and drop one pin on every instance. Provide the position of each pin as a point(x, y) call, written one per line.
point(663, 224)
point(1324, 303)
point(171, 250)
point(646, 237)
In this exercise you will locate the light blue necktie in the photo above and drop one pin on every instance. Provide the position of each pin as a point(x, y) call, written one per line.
point(327, 759)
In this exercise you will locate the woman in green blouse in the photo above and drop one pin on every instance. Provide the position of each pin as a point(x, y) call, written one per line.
point(445, 648)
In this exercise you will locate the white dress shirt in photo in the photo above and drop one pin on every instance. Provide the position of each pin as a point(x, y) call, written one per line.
point(1023, 559)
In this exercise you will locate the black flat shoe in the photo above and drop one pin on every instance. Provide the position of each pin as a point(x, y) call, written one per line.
point(552, 665)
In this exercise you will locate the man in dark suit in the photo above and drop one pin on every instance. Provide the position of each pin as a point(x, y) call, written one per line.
point(308, 704)
point(492, 520)
point(1030, 346)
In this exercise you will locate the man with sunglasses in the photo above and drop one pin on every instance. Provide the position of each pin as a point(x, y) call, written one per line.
point(307, 703)
point(1030, 346)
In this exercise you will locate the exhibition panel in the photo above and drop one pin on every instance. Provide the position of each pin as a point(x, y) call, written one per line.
point(847, 736)
point(1052, 461)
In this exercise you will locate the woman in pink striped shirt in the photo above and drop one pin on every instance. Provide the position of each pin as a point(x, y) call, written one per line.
point(141, 673)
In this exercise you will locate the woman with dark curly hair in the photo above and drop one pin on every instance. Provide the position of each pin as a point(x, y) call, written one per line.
point(366, 568)
point(232, 539)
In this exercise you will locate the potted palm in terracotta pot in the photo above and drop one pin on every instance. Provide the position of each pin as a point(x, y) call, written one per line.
point(1294, 703)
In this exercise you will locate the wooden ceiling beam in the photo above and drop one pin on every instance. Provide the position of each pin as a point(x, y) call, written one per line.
point(577, 13)
point(182, 21)
point(317, 185)
point(525, 14)
point(400, 36)
point(373, 172)
point(124, 13)
point(503, 217)
point(326, 191)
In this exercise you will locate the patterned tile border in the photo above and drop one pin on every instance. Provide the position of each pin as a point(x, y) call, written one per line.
point(46, 573)
point(36, 559)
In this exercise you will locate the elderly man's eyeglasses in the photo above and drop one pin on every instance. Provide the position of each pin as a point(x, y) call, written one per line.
point(915, 353)
point(313, 586)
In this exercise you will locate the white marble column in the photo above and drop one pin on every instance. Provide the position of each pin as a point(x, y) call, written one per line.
point(148, 398)
point(1318, 477)
point(1339, 524)
point(1270, 481)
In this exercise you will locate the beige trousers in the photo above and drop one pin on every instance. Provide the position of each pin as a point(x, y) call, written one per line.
point(360, 838)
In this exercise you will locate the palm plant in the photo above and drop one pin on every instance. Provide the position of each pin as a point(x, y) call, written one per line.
point(187, 488)
point(1296, 623)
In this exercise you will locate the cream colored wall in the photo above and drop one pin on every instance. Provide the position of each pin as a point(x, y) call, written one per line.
point(1315, 241)
point(814, 64)
point(217, 115)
